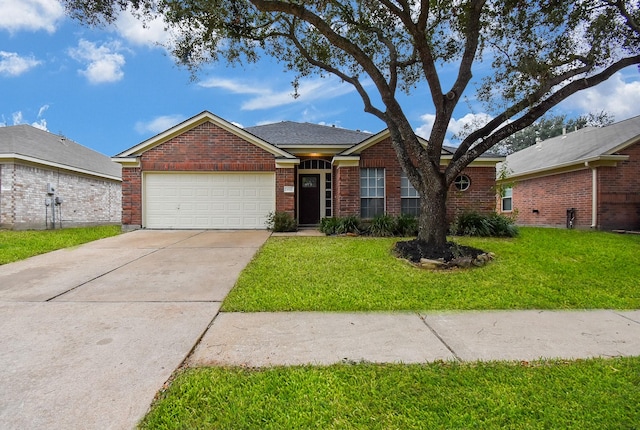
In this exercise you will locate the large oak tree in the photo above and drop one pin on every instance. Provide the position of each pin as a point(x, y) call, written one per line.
point(534, 54)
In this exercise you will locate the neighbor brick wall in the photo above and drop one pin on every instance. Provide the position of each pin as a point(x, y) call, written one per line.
point(619, 193)
point(551, 196)
point(7, 209)
point(87, 200)
point(479, 197)
point(618, 196)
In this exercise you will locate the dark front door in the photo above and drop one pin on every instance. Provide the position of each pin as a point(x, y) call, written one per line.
point(309, 199)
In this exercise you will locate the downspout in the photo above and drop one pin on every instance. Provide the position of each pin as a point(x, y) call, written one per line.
point(594, 195)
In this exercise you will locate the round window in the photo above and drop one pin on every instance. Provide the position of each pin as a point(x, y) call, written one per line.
point(462, 183)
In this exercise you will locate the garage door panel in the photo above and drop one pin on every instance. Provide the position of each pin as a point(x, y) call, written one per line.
point(208, 200)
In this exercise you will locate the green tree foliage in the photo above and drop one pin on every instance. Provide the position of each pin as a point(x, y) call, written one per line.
point(539, 53)
point(548, 127)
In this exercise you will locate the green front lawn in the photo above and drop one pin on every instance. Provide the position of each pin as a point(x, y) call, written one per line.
point(18, 245)
point(589, 394)
point(541, 269)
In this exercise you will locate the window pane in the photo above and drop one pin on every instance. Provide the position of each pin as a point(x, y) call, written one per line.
point(507, 204)
point(370, 208)
point(406, 189)
point(371, 192)
point(410, 207)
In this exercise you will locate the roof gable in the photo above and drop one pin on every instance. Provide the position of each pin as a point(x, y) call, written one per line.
point(384, 134)
point(38, 146)
point(575, 148)
point(193, 122)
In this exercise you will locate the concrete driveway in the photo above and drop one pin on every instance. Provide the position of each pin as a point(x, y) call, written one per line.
point(90, 334)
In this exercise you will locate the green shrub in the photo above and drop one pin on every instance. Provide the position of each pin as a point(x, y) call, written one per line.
point(503, 226)
point(329, 225)
point(406, 225)
point(349, 224)
point(281, 222)
point(476, 224)
point(342, 225)
point(383, 226)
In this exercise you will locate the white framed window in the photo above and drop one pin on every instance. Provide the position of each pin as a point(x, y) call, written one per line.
point(410, 199)
point(462, 183)
point(371, 192)
point(507, 200)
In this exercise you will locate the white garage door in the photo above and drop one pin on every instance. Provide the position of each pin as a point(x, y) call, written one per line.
point(208, 200)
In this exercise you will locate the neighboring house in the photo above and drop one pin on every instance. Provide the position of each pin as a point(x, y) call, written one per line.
point(208, 173)
point(592, 175)
point(48, 181)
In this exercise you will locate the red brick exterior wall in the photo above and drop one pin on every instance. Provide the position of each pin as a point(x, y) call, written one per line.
point(346, 195)
point(131, 196)
point(551, 196)
point(205, 148)
point(619, 193)
point(480, 196)
point(285, 202)
point(618, 197)
point(208, 147)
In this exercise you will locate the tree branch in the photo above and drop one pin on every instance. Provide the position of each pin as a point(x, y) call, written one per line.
point(536, 111)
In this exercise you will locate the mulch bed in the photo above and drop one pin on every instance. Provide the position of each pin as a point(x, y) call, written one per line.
point(414, 250)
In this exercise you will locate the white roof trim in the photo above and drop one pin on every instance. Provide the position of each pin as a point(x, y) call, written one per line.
point(564, 167)
point(13, 157)
point(377, 138)
point(195, 121)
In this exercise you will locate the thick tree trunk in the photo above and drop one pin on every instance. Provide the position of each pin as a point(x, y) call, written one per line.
point(432, 224)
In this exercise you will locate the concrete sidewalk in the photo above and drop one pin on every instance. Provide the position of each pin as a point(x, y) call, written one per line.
point(295, 338)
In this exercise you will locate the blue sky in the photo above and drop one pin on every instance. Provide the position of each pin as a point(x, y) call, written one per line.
point(110, 89)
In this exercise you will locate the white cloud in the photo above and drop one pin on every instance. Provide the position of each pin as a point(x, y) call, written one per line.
point(104, 63)
point(267, 98)
point(615, 96)
point(424, 130)
point(17, 118)
point(150, 33)
point(41, 124)
point(32, 15)
point(42, 110)
point(232, 86)
point(11, 64)
point(458, 127)
point(159, 124)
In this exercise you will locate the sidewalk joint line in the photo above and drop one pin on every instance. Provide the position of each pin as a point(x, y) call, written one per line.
point(436, 334)
point(626, 317)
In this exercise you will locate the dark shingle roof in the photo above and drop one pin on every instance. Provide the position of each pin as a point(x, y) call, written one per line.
point(25, 140)
point(583, 144)
point(295, 133)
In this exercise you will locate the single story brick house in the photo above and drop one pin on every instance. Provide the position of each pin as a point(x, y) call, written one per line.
point(208, 173)
point(591, 175)
point(48, 181)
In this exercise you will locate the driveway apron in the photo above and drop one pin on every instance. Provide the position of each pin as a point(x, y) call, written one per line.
point(90, 334)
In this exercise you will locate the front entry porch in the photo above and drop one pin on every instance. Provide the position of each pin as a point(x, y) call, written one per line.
point(315, 191)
